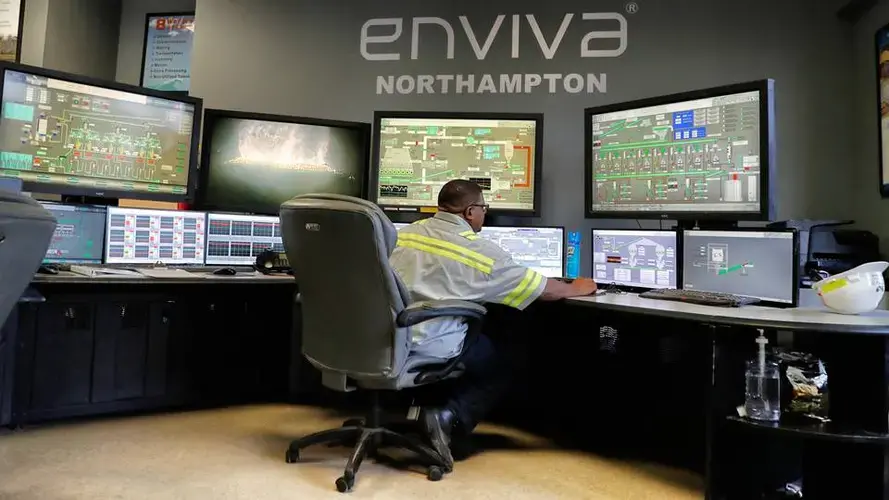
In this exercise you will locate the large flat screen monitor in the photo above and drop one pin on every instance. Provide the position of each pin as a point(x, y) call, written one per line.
point(702, 155)
point(416, 153)
point(253, 163)
point(757, 263)
point(636, 258)
point(79, 237)
point(67, 134)
point(539, 248)
point(236, 239)
point(146, 236)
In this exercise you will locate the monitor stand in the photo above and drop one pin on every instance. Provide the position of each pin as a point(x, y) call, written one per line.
point(717, 225)
point(89, 200)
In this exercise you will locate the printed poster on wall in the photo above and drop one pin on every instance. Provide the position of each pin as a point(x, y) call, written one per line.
point(166, 62)
point(10, 16)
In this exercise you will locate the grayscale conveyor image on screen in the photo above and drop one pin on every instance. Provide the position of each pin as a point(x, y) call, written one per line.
point(538, 248)
point(635, 258)
point(692, 156)
point(748, 263)
point(257, 165)
point(79, 237)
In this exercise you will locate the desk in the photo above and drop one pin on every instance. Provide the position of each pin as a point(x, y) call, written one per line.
point(101, 345)
point(844, 459)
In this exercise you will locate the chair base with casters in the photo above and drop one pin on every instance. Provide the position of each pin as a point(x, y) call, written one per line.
point(369, 436)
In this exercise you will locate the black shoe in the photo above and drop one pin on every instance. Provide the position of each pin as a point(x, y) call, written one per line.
point(439, 424)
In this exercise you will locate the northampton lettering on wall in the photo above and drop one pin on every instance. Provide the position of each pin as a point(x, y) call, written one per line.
point(377, 47)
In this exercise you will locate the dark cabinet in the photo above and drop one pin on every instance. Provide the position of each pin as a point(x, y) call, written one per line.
point(62, 353)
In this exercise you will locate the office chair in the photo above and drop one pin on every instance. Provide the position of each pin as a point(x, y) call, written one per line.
point(357, 320)
point(26, 230)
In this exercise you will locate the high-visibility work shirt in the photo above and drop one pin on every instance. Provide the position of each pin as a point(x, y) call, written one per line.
point(441, 258)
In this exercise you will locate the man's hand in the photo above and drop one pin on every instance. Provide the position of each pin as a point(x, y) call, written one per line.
point(584, 286)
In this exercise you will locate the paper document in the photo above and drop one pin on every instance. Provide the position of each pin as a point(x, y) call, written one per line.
point(165, 272)
point(104, 272)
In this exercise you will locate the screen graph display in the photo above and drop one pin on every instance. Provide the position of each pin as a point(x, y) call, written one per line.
point(757, 264)
point(63, 136)
point(145, 236)
point(635, 258)
point(687, 156)
point(417, 155)
point(255, 165)
point(236, 240)
point(79, 237)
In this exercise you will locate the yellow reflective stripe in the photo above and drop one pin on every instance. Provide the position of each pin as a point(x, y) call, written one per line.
point(441, 252)
point(469, 235)
point(421, 221)
point(447, 245)
point(524, 289)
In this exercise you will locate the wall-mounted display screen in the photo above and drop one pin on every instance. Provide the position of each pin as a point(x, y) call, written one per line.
point(883, 98)
point(166, 57)
point(11, 15)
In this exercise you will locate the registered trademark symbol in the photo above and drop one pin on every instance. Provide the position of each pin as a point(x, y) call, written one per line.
point(632, 8)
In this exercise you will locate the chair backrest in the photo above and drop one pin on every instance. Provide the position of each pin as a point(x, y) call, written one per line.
point(26, 229)
point(339, 248)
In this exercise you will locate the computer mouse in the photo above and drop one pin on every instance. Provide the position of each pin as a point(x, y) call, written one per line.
point(225, 271)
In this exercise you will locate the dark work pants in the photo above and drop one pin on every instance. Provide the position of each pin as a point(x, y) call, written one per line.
point(485, 380)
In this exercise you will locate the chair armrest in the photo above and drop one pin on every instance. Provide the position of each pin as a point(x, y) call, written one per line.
point(426, 310)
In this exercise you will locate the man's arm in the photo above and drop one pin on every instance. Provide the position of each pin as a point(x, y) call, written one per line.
point(558, 290)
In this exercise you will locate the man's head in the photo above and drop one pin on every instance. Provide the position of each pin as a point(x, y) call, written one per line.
point(464, 198)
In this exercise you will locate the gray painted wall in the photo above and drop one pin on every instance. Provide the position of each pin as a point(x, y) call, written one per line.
point(871, 211)
point(82, 37)
point(302, 58)
point(34, 32)
point(132, 33)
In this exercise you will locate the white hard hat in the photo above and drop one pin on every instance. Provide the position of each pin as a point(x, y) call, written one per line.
point(855, 291)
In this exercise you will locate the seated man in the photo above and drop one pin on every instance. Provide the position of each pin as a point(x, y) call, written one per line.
point(443, 258)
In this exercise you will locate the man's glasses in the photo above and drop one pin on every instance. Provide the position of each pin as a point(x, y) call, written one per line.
point(483, 206)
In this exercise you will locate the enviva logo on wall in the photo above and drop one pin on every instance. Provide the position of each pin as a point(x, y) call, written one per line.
point(373, 48)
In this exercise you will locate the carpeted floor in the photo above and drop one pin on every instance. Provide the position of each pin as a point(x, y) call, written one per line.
point(238, 453)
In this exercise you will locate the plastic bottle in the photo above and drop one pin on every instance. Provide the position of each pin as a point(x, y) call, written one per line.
point(763, 395)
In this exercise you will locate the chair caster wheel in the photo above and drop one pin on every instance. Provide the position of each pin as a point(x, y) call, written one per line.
point(344, 485)
point(435, 473)
point(292, 456)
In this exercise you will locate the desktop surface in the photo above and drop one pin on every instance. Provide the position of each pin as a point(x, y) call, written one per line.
point(79, 237)
point(635, 258)
point(757, 263)
point(696, 153)
point(145, 236)
point(236, 240)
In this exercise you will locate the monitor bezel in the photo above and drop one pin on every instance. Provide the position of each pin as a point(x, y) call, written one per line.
point(631, 288)
point(48, 188)
point(212, 115)
point(564, 241)
point(207, 238)
point(150, 264)
point(881, 168)
point(766, 212)
point(79, 262)
point(373, 178)
point(794, 259)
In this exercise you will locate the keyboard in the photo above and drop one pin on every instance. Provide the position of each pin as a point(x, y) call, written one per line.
point(703, 298)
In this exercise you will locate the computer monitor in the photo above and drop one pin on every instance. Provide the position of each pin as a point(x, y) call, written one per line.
point(61, 133)
point(236, 239)
point(415, 154)
point(253, 162)
point(80, 234)
point(702, 155)
point(539, 248)
point(636, 258)
point(147, 236)
point(756, 263)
